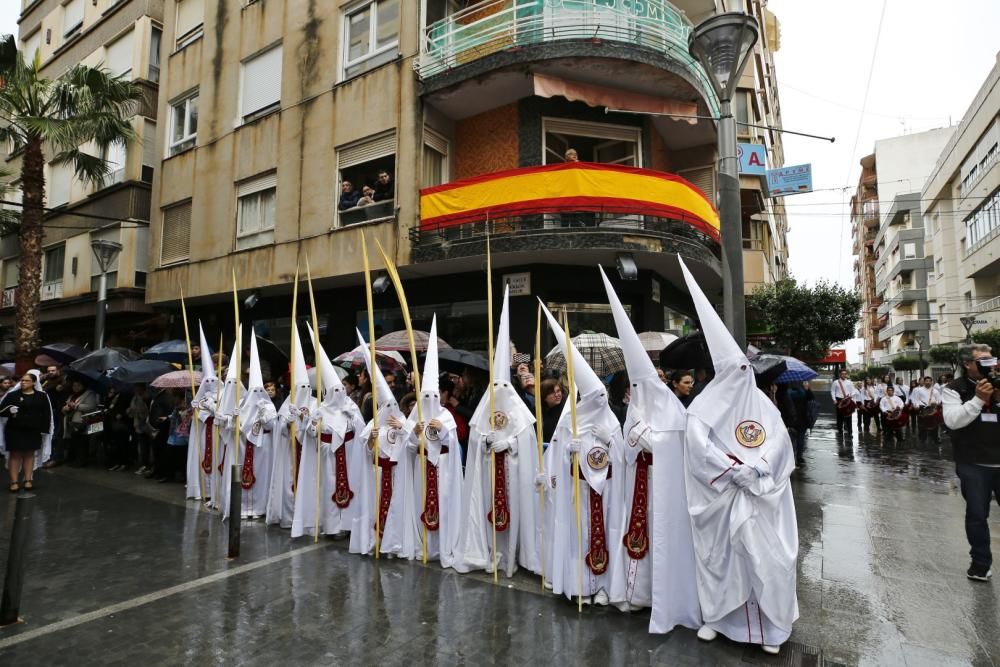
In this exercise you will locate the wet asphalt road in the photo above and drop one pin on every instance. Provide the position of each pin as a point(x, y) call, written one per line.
point(122, 571)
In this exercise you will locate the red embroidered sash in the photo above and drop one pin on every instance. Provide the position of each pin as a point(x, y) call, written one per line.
point(386, 496)
point(298, 463)
point(597, 556)
point(248, 479)
point(206, 461)
point(342, 494)
point(636, 539)
point(222, 459)
point(500, 509)
point(431, 516)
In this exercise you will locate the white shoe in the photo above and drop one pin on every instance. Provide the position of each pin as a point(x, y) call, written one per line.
point(769, 649)
point(547, 584)
point(707, 634)
point(601, 597)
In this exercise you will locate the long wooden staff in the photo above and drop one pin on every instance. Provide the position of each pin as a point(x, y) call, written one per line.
point(319, 392)
point(239, 382)
point(215, 427)
point(398, 284)
point(489, 357)
point(538, 434)
point(373, 369)
point(187, 338)
point(291, 384)
point(575, 463)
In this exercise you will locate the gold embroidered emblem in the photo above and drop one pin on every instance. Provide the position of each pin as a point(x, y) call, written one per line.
point(500, 421)
point(597, 458)
point(750, 434)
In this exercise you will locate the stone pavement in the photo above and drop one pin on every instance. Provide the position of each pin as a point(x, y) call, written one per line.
point(122, 571)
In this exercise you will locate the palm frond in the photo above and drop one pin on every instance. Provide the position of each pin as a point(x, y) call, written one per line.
point(89, 168)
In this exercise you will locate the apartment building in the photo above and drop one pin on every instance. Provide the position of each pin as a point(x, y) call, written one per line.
point(893, 266)
point(460, 118)
point(961, 204)
point(124, 37)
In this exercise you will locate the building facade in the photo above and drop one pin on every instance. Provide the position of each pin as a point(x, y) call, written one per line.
point(124, 37)
point(892, 264)
point(457, 116)
point(961, 205)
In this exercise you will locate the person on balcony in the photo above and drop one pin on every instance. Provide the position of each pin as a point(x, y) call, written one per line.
point(348, 196)
point(384, 187)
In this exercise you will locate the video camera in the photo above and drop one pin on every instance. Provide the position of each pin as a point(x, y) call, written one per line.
point(987, 368)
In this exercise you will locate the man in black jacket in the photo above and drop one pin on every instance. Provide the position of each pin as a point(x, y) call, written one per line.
point(971, 413)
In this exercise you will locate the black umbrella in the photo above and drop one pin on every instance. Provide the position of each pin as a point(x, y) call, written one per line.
point(104, 359)
point(691, 351)
point(269, 351)
point(90, 379)
point(175, 351)
point(62, 352)
point(767, 368)
point(141, 371)
point(456, 361)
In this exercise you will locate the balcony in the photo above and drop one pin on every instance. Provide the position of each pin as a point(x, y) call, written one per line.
point(907, 265)
point(550, 213)
point(988, 305)
point(570, 35)
point(913, 325)
point(904, 297)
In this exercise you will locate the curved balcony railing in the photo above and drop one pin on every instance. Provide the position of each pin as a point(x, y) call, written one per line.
point(498, 25)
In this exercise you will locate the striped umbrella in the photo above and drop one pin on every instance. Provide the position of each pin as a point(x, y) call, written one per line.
point(399, 341)
point(602, 352)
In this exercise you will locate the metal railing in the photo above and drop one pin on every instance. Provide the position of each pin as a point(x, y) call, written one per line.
point(497, 25)
point(988, 305)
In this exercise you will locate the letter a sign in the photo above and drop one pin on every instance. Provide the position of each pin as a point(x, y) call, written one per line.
point(753, 159)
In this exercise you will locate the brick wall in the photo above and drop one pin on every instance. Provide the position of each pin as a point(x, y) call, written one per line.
point(486, 143)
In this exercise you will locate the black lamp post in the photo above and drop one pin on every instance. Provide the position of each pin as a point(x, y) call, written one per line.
point(105, 252)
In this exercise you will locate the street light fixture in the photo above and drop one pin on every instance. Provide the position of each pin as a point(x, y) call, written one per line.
point(105, 252)
point(722, 45)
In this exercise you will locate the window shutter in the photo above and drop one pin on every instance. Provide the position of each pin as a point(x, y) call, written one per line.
point(72, 14)
point(11, 272)
point(595, 130)
point(365, 151)
point(435, 141)
point(32, 44)
point(702, 178)
point(175, 241)
point(190, 15)
point(261, 81)
point(257, 184)
point(149, 157)
point(60, 179)
point(119, 59)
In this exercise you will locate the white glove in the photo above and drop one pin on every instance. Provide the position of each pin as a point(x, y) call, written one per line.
point(541, 480)
point(639, 434)
point(763, 468)
point(574, 446)
point(312, 429)
point(602, 434)
point(14, 410)
point(744, 476)
point(497, 444)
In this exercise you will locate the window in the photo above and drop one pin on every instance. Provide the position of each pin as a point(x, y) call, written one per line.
point(11, 272)
point(909, 250)
point(72, 16)
point(52, 272)
point(32, 44)
point(371, 36)
point(119, 55)
point(149, 152)
point(593, 142)
point(368, 165)
point(940, 267)
point(183, 124)
point(260, 90)
point(107, 234)
point(114, 155)
point(60, 180)
point(190, 16)
point(255, 208)
point(155, 39)
point(435, 165)
point(175, 239)
point(742, 112)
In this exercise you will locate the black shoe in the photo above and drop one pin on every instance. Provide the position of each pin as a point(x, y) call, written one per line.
point(979, 572)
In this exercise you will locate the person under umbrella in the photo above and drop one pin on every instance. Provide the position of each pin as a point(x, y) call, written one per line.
point(441, 508)
point(26, 430)
point(659, 552)
point(513, 509)
point(738, 461)
point(599, 447)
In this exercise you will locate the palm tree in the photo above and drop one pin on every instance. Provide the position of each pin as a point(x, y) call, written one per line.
point(84, 107)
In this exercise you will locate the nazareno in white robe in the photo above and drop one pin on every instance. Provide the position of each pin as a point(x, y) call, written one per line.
point(392, 450)
point(199, 483)
point(519, 544)
point(257, 420)
point(280, 495)
point(562, 550)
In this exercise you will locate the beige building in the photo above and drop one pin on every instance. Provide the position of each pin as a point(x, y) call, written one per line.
point(961, 206)
point(864, 229)
point(272, 106)
point(123, 36)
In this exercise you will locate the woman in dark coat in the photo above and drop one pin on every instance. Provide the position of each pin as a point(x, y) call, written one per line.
point(29, 418)
point(552, 407)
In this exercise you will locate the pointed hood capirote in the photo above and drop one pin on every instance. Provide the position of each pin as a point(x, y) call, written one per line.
point(430, 391)
point(300, 374)
point(257, 408)
point(501, 352)
point(649, 396)
point(586, 379)
point(742, 419)
point(204, 398)
point(227, 400)
point(207, 367)
point(334, 393)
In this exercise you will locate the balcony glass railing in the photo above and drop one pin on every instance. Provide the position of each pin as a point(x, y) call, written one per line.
point(497, 25)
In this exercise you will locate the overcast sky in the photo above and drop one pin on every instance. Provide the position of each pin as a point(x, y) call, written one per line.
point(925, 65)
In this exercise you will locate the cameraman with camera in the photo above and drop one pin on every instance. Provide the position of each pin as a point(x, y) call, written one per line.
point(971, 410)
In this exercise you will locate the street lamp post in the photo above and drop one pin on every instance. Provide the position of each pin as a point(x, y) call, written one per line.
point(722, 45)
point(105, 253)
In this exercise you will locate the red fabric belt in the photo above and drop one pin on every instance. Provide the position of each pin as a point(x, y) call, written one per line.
point(499, 516)
point(597, 554)
point(206, 461)
point(386, 496)
point(431, 515)
point(248, 478)
point(636, 538)
point(342, 494)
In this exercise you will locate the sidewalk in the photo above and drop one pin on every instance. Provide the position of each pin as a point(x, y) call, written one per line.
point(121, 570)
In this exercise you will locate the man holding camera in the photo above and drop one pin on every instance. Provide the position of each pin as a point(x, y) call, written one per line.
point(971, 412)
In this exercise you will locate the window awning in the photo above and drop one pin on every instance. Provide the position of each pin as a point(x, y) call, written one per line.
point(599, 96)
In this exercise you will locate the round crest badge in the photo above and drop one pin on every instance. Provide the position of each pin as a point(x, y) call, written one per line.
point(597, 458)
point(500, 420)
point(257, 426)
point(750, 433)
point(432, 433)
point(392, 435)
point(304, 412)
